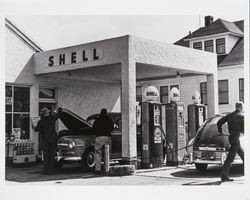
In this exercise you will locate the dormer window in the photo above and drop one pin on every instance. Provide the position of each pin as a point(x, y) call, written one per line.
point(197, 45)
point(209, 45)
point(220, 46)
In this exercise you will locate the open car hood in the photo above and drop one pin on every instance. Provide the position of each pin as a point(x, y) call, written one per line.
point(73, 121)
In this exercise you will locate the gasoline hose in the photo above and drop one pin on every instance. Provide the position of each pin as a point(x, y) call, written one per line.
point(172, 151)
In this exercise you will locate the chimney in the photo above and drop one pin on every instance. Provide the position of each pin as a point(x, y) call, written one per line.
point(208, 20)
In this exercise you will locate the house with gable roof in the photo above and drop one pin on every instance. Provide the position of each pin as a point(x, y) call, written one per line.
point(226, 39)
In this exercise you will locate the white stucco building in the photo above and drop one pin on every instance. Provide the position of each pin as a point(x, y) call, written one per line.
point(88, 77)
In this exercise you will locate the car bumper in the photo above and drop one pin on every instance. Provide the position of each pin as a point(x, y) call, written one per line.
point(69, 158)
point(217, 158)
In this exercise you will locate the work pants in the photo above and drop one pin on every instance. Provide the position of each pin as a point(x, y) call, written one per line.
point(49, 152)
point(100, 143)
point(234, 148)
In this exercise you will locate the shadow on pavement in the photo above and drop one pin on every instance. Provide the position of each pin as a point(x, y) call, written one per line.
point(208, 183)
point(211, 172)
point(34, 174)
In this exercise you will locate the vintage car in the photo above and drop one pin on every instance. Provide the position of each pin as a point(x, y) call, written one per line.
point(76, 144)
point(208, 146)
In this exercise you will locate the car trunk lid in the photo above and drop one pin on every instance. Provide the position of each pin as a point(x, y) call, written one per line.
point(208, 135)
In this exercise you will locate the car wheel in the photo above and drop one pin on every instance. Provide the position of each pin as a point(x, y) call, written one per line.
point(88, 159)
point(200, 166)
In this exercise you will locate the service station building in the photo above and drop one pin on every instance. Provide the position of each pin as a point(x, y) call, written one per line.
point(104, 74)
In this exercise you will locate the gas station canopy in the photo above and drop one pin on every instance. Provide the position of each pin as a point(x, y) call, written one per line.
point(124, 61)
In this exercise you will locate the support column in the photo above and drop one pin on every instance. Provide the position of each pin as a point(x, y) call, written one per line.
point(34, 103)
point(128, 109)
point(212, 94)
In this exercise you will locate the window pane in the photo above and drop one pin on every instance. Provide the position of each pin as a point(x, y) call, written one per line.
point(203, 87)
point(220, 46)
point(204, 99)
point(21, 99)
point(138, 94)
point(223, 91)
point(241, 84)
point(221, 49)
point(203, 91)
point(209, 49)
point(21, 126)
point(164, 90)
point(164, 94)
point(197, 45)
point(241, 89)
point(8, 98)
point(223, 98)
point(8, 91)
point(220, 41)
point(8, 125)
point(46, 93)
point(223, 86)
point(209, 46)
point(241, 97)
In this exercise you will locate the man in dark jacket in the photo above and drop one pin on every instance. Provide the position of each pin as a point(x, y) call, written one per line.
point(235, 122)
point(102, 127)
point(46, 128)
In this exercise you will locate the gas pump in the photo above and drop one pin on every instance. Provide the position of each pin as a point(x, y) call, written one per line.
point(196, 115)
point(152, 141)
point(175, 129)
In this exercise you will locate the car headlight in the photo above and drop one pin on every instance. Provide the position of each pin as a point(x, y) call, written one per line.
point(71, 145)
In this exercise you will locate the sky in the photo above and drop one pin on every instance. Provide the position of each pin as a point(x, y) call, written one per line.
point(57, 31)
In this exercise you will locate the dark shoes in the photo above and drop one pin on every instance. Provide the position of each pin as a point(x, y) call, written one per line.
point(224, 179)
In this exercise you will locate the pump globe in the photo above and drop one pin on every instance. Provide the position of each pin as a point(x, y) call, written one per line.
point(151, 93)
point(196, 97)
point(175, 94)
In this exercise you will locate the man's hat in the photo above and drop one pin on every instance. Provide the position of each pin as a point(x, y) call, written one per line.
point(45, 111)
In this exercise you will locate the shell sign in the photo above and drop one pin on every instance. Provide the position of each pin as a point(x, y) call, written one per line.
point(151, 93)
point(175, 94)
point(196, 97)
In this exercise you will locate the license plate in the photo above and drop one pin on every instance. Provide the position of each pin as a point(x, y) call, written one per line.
point(207, 148)
point(207, 155)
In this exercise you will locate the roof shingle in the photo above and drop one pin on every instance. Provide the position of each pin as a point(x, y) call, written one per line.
point(236, 56)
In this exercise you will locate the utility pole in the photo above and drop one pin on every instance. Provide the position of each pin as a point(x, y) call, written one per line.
point(199, 21)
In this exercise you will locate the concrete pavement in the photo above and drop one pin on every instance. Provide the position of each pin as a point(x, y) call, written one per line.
point(185, 175)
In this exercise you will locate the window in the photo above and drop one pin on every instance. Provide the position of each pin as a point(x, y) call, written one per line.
point(241, 89)
point(138, 94)
point(164, 93)
point(203, 92)
point(220, 46)
point(46, 93)
point(197, 45)
point(209, 45)
point(223, 91)
point(17, 108)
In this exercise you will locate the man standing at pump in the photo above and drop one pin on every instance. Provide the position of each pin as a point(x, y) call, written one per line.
point(235, 122)
point(102, 127)
point(46, 127)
